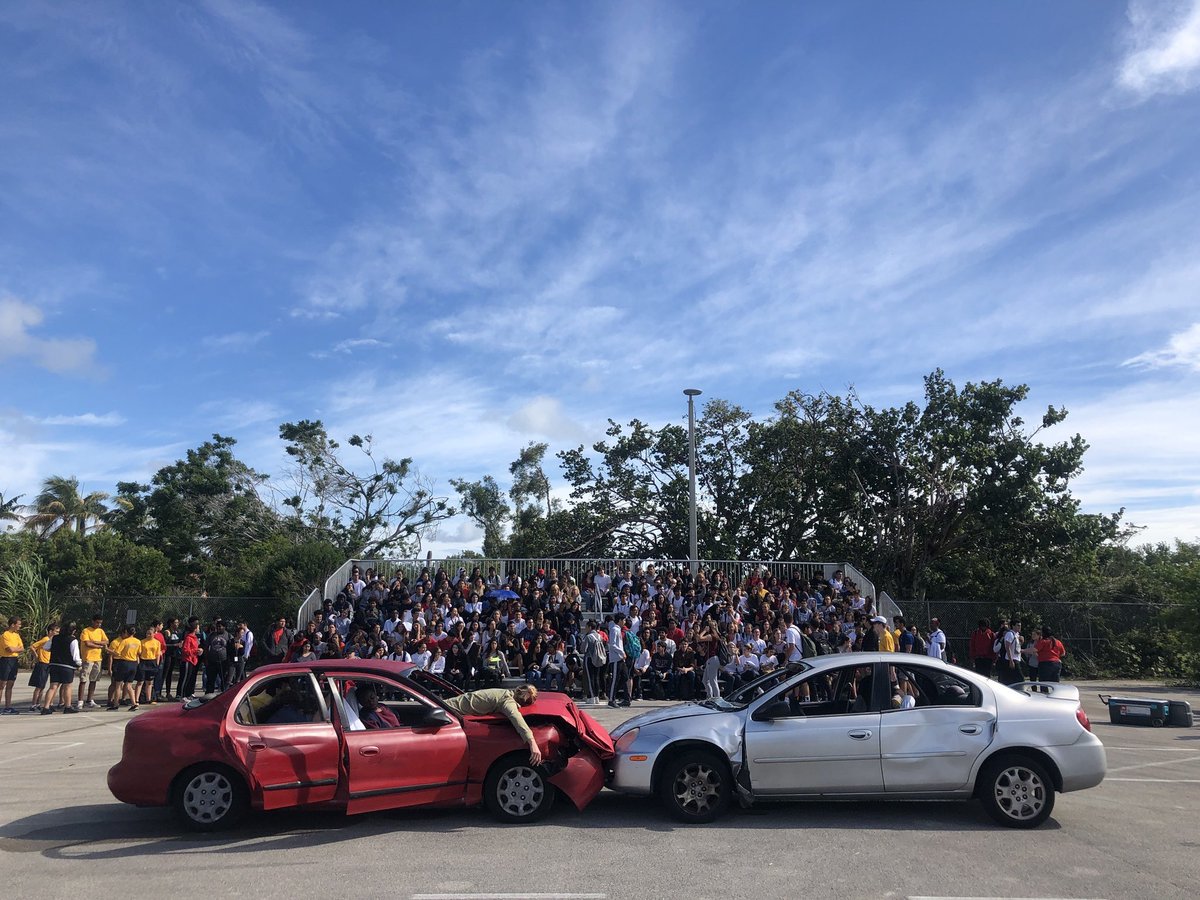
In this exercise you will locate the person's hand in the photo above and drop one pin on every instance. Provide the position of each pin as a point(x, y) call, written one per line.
point(535, 755)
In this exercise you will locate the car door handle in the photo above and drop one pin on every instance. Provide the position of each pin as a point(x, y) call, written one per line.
point(860, 735)
point(368, 751)
point(257, 745)
point(969, 729)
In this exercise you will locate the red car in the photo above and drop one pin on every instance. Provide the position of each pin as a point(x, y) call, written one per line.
point(290, 736)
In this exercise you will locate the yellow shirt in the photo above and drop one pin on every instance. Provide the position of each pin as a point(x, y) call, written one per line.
point(149, 650)
point(11, 645)
point(42, 648)
point(887, 643)
point(127, 649)
point(93, 654)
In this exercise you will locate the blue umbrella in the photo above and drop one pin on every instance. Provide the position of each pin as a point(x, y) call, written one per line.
point(503, 593)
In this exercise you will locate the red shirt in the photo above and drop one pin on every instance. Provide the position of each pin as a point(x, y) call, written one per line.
point(982, 640)
point(1050, 650)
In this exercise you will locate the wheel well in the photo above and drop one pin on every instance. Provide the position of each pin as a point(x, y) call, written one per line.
point(674, 751)
point(180, 780)
point(1038, 756)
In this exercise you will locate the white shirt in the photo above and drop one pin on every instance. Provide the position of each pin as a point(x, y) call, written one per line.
point(438, 666)
point(247, 643)
point(795, 646)
point(420, 660)
point(937, 644)
point(643, 660)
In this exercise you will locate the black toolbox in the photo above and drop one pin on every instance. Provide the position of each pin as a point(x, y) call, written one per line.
point(1137, 711)
point(1181, 714)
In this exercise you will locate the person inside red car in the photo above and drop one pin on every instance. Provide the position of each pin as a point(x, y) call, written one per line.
point(373, 715)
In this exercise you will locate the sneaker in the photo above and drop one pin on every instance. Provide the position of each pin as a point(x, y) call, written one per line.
point(112, 708)
point(133, 708)
point(91, 704)
point(34, 708)
point(624, 703)
point(612, 703)
point(47, 711)
point(70, 709)
point(79, 704)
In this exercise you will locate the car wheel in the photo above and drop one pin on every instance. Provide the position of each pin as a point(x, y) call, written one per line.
point(1017, 791)
point(695, 787)
point(515, 791)
point(210, 798)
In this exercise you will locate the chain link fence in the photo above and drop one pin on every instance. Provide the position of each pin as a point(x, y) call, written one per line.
point(1087, 629)
point(118, 611)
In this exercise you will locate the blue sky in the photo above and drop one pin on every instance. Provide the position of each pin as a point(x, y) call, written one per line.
point(465, 226)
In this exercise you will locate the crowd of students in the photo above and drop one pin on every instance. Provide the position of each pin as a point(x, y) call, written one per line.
point(664, 635)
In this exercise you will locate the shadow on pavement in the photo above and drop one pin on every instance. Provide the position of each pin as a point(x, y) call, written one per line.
point(90, 832)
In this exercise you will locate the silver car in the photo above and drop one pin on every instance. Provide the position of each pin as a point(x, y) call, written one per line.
point(863, 726)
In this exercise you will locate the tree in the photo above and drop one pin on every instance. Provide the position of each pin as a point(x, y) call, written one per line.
point(202, 510)
point(60, 505)
point(8, 508)
point(529, 478)
point(635, 496)
point(383, 506)
point(25, 592)
point(483, 502)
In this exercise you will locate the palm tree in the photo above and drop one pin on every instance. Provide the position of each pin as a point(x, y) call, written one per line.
point(8, 508)
point(60, 505)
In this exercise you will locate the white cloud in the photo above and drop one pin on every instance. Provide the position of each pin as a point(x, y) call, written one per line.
point(103, 420)
point(234, 342)
point(1164, 47)
point(348, 346)
point(545, 417)
point(1181, 351)
point(59, 355)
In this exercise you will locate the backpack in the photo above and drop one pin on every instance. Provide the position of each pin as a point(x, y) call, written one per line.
point(920, 648)
point(810, 647)
point(596, 653)
point(633, 645)
point(998, 645)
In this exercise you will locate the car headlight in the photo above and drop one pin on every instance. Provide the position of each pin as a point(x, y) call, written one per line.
point(624, 741)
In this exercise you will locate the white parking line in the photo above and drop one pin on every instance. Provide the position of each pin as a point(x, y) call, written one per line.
point(521, 896)
point(65, 745)
point(1154, 749)
point(1165, 762)
point(1159, 780)
point(986, 898)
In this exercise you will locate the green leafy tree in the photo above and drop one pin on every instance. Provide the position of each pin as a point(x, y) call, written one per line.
point(484, 503)
point(530, 482)
point(9, 507)
point(369, 506)
point(25, 592)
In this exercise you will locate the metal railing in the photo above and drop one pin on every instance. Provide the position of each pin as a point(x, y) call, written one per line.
point(735, 570)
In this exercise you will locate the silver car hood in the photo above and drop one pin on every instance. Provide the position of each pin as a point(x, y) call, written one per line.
point(665, 714)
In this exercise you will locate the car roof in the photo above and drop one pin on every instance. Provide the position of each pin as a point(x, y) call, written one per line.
point(365, 666)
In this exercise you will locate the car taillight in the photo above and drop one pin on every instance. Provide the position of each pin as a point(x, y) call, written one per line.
point(1083, 719)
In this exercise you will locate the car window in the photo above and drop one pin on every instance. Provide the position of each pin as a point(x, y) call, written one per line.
point(922, 686)
point(764, 684)
point(282, 700)
point(408, 708)
point(831, 692)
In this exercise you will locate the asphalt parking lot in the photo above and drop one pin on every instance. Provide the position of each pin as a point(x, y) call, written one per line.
point(1137, 835)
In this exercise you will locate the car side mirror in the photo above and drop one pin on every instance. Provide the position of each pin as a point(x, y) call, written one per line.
point(437, 717)
point(776, 709)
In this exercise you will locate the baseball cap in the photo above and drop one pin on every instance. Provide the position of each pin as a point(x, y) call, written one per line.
point(880, 619)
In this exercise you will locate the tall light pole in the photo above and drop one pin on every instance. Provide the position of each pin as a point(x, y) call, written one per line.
point(693, 553)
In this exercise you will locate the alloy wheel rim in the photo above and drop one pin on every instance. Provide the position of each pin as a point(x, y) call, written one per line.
point(520, 791)
point(696, 788)
point(208, 797)
point(1020, 793)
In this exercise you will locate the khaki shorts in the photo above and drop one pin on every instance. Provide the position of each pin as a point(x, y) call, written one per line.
point(90, 671)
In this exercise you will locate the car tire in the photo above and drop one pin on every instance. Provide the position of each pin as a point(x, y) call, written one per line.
point(1016, 791)
point(695, 786)
point(516, 792)
point(210, 797)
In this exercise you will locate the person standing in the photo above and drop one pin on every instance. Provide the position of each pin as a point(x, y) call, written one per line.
point(92, 643)
point(1010, 654)
point(594, 658)
point(616, 660)
point(937, 640)
point(279, 639)
point(172, 641)
point(247, 649)
point(1050, 651)
point(982, 656)
point(216, 658)
point(125, 669)
point(189, 660)
point(64, 662)
point(149, 663)
point(11, 648)
point(39, 678)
